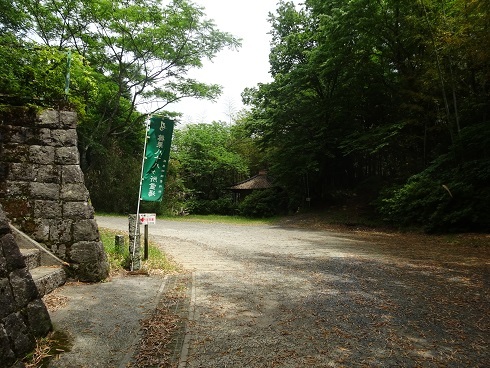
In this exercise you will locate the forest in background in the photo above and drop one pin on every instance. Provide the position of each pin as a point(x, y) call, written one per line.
point(386, 101)
point(382, 105)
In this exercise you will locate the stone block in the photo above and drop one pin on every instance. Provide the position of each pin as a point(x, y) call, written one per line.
point(20, 134)
point(19, 116)
point(3, 265)
point(89, 261)
point(74, 192)
point(38, 318)
point(60, 250)
point(47, 209)
point(47, 174)
point(13, 258)
point(8, 356)
point(43, 155)
point(77, 210)
point(66, 156)
point(63, 138)
point(22, 171)
point(44, 137)
point(41, 229)
point(23, 287)
point(4, 223)
point(68, 119)
point(85, 230)
point(71, 174)
point(13, 152)
point(7, 301)
point(49, 119)
point(16, 189)
point(49, 191)
point(4, 170)
point(22, 341)
point(60, 231)
point(17, 208)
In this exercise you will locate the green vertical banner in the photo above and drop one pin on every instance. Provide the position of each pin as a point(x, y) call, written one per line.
point(157, 153)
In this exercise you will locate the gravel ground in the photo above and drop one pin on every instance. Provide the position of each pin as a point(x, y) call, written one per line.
point(265, 296)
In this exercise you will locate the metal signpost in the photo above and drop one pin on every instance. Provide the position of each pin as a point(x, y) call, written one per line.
point(145, 219)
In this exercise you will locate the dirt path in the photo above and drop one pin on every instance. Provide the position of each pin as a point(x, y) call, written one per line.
point(267, 296)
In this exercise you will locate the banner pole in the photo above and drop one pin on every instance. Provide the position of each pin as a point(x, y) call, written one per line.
point(147, 127)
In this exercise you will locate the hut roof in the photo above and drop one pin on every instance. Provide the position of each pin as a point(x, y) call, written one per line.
point(259, 181)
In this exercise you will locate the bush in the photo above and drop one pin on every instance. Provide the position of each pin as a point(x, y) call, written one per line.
point(442, 200)
point(220, 206)
point(264, 203)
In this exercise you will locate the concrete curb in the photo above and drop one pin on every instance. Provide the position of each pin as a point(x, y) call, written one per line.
point(184, 355)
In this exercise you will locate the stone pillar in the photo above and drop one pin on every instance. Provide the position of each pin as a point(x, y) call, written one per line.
point(134, 242)
point(42, 187)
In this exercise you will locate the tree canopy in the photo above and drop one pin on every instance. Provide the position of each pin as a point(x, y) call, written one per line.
point(387, 95)
point(114, 62)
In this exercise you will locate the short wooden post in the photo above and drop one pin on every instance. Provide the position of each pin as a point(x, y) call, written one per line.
point(119, 243)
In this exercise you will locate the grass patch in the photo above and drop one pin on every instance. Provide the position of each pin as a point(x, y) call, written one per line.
point(119, 259)
point(236, 220)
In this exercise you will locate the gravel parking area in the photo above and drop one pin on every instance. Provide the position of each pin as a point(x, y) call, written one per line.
point(265, 296)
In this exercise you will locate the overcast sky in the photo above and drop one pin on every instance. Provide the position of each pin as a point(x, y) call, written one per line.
point(234, 70)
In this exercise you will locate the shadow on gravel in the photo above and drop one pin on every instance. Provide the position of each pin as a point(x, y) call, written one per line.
point(378, 308)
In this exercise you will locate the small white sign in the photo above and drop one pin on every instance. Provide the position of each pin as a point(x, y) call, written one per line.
point(148, 218)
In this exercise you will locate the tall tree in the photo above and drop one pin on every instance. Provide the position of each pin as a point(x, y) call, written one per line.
point(141, 49)
point(370, 91)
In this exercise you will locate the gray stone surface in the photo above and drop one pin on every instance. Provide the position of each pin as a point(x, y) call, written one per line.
point(23, 315)
point(23, 287)
point(8, 356)
point(48, 278)
point(41, 155)
point(60, 232)
point(42, 186)
point(72, 174)
point(85, 230)
point(49, 191)
point(47, 209)
point(134, 230)
point(22, 341)
point(16, 188)
point(66, 156)
point(38, 318)
point(7, 301)
point(11, 252)
point(77, 210)
point(46, 174)
point(74, 192)
point(89, 260)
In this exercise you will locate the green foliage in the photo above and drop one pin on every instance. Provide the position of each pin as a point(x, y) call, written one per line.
point(365, 89)
point(113, 181)
point(209, 164)
point(37, 74)
point(219, 206)
point(125, 55)
point(451, 194)
point(264, 203)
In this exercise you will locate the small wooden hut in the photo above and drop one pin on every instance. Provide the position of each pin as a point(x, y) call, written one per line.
point(258, 182)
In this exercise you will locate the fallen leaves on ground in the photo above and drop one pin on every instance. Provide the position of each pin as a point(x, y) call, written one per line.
point(162, 332)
